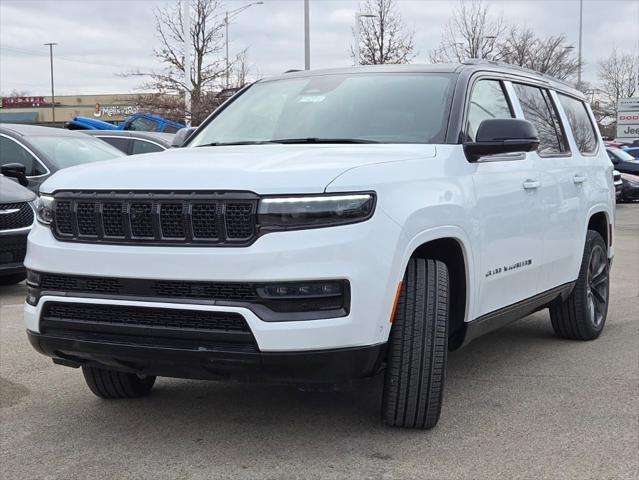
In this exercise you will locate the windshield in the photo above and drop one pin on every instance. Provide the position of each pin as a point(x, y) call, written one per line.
point(384, 108)
point(66, 151)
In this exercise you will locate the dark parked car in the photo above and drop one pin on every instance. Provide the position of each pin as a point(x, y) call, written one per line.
point(31, 154)
point(132, 142)
point(630, 187)
point(16, 219)
point(623, 161)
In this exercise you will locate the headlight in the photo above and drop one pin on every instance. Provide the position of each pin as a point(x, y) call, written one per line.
point(286, 213)
point(44, 209)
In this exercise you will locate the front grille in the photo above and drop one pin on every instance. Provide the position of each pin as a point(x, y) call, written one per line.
point(156, 218)
point(15, 215)
point(146, 325)
point(146, 317)
point(13, 248)
point(225, 291)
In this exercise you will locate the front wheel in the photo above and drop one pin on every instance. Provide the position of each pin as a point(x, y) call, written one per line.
point(417, 348)
point(582, 315)
point(111, 384)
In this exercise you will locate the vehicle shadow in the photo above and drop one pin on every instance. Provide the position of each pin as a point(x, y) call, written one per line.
point(220, 411)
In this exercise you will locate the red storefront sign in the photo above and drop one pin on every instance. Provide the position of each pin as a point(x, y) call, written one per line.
point(24, 102)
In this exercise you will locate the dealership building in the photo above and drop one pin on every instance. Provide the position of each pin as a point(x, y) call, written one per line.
point(113, 108)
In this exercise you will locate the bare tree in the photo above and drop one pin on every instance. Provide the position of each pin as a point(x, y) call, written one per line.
point(617, 78)
point(207, 70)
point(471, 30)
point(551, 55)
point(384, 38)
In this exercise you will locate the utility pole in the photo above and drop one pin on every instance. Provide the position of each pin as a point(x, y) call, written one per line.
point(581, 24)
point(307, 36)
point(227, 16)
point(226, 36)
point(186, 23)
point(358, 16)
point(52, 91)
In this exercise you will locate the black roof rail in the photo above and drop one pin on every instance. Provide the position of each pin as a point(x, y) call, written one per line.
point(293, 70)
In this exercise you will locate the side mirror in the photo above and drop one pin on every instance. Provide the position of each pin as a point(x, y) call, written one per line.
point(17, 171)
point(502, 135)
point(182, 136)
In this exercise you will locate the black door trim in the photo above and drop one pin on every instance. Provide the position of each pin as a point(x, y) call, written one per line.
point(503, 316)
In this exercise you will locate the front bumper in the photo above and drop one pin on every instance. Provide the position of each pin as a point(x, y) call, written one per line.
point(326, 366)
point(364, 254)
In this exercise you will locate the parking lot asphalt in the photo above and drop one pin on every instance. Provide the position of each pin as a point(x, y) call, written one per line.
point(519, 403)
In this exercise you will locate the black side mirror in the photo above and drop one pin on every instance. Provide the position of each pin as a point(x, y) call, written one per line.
point(182, 136)
point(17, 171)
point(502, 135)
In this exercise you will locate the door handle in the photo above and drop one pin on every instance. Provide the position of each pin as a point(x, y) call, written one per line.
point(531, 184)
point(579, 179)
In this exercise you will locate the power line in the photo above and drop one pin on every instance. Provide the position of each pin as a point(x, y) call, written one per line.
point(59, 57)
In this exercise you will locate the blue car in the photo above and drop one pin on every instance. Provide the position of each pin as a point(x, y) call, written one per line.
point(139, 122)
point(634, 151)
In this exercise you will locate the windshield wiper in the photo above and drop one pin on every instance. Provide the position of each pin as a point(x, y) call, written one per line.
point(290, 141)
point(245, 142)
point(321, 140)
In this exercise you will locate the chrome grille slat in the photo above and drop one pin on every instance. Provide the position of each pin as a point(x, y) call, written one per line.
point(156, 218)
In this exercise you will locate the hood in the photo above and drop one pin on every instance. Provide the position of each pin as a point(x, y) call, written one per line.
point(13, 192)
point(262, 169)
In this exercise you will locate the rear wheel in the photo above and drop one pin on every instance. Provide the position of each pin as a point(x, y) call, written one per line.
point(111, 384)
point(417, 348)
point(582, 315)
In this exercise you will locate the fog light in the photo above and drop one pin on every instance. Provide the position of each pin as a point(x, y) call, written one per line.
point(301, 290)
point(32, 296)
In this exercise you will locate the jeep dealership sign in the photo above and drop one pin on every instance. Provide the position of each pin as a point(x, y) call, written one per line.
point(628, 118)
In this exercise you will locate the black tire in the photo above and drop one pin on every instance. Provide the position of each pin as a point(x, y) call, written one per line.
point(582, 315)
point(418, 348)
point(12, 279)
point(111, 384)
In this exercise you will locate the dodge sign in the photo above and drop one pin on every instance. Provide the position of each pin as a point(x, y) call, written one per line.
point(628, 118)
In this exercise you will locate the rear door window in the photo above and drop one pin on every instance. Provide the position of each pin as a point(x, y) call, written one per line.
point(583, 130)
point(539, 110)
point(121, 143)
point(487, 100)
point(142, 146)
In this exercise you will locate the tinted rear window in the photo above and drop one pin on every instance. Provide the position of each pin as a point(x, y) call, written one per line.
point(582, 128)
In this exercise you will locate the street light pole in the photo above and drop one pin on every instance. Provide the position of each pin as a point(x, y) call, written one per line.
point(307, 36)
point(186, 14)
point(52, 91)
point(358, 16)
point(227, 16)
point(581, 24)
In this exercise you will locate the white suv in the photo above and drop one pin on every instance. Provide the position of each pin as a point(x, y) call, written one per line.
point(326, 226)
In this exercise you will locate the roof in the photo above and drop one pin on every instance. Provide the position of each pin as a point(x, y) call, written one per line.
point(36, 130)
point(469, 66)
point(165, 138)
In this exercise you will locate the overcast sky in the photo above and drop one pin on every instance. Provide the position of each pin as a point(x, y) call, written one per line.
point(100, 38)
